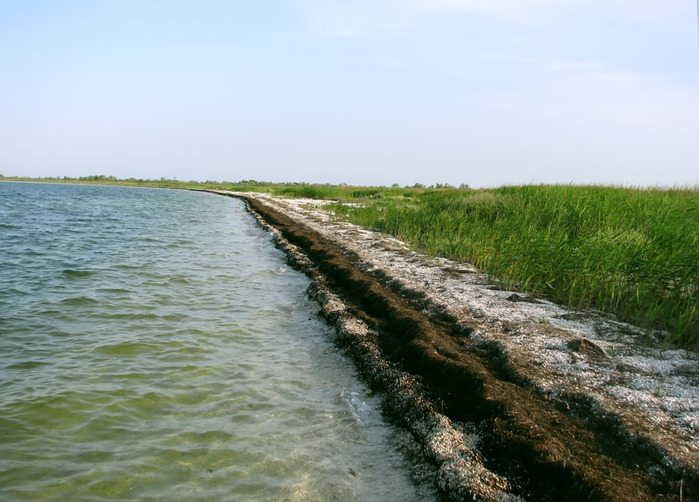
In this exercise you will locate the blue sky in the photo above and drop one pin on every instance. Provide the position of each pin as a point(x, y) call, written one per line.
point(370, 92)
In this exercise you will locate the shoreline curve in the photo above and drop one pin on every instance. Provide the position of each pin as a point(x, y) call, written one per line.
point(507, 397)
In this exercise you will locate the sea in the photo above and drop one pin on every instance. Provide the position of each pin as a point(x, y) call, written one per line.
point(155, 345)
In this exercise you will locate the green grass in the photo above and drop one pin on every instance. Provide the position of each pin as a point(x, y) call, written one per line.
point(630, 252)
point(634, 253)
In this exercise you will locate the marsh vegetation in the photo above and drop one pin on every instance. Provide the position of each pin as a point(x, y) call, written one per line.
point(633, 253)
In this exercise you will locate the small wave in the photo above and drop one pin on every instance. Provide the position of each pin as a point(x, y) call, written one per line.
point(131, 316)
point(17, 291)
point(126, 266)
point(126, 349)
point(78, 273)
point(79, 300)
point(153, 239)
point(356, 405)
point(205, 437)
point(179, 280)
point(117, 290)
point(27, 365)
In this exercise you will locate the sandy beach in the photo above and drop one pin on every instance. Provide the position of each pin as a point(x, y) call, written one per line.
point(506, 397)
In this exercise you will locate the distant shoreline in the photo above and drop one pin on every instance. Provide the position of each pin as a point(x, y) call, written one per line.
point(629, 252)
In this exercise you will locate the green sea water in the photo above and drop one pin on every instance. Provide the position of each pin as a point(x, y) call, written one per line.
point(154, 345)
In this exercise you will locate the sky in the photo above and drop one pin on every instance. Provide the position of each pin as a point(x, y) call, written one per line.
point(364, 92)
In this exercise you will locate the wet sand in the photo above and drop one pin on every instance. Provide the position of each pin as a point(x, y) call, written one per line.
point(508, 397)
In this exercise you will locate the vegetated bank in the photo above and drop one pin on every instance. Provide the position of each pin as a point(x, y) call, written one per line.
point(630, 252)
point(634, 253)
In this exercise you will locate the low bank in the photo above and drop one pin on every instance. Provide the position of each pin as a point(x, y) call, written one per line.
point(509, 397)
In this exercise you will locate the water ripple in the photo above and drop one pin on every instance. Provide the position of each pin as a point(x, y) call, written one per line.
point(157, 346)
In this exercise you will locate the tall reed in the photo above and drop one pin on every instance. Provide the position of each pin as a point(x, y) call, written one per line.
point(631, 252)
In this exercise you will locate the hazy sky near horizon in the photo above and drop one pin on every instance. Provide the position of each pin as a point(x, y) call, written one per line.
point(369, 92)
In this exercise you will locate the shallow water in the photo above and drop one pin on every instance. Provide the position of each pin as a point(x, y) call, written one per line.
point(155, 345)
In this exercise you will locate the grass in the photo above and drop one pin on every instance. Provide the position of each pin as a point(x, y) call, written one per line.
point(630, 252)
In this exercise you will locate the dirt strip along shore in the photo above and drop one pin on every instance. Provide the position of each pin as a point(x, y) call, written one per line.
point(528, 446)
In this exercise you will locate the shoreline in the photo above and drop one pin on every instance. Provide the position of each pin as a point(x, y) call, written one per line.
point(509, 397)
